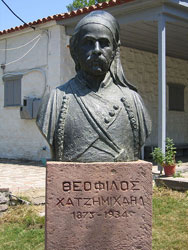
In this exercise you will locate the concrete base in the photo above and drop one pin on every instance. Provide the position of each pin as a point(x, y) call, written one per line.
point(99, 206)
point(180, 184)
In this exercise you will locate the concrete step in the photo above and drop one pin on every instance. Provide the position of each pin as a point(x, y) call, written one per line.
point(179, 183)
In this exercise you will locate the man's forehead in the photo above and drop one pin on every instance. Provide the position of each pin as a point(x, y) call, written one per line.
point(95, 30)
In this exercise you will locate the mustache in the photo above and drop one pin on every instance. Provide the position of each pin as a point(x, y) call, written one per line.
point(96, 59)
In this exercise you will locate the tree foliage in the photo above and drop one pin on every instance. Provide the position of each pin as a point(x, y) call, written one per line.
point(78, 4)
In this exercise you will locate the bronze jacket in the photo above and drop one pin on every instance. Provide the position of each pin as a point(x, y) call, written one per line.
point(82, 125)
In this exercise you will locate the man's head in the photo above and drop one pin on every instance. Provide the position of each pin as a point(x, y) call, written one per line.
point(102, 30)
point(94, 42)
point(96, 50)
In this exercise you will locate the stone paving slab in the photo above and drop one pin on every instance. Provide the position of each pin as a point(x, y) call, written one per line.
point(24, 179)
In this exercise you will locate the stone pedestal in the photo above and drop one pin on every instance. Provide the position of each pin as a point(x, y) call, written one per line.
point(99, 206)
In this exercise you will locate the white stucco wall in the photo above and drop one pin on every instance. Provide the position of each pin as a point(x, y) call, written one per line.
point(141, 69)
point(46, 66)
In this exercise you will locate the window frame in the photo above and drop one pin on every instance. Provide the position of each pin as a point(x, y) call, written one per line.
point(174, 106)
point(11, 80)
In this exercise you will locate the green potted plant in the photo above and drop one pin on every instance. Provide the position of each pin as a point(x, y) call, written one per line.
point(167, 160)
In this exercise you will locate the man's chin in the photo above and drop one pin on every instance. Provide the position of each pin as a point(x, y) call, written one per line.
point(97, 71)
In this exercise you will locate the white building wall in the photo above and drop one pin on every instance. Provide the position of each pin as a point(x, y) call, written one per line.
point(67, 66)
point(42, 71)
point(141, 69)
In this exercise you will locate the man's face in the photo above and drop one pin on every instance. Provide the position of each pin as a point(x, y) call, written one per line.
point(95, 49)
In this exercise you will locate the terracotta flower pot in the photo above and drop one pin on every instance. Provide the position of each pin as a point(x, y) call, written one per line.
point(169, 170)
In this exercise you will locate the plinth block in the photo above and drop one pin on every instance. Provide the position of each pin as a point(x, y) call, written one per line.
point(99, 206)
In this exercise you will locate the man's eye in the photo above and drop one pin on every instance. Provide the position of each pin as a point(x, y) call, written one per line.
point(88, 42)
point(104, 43)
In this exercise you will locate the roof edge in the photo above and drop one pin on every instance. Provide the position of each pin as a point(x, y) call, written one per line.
point(66, 15)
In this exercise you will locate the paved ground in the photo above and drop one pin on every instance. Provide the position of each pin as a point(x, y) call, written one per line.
point(23, 179)
point(28, 178)
point(21, 176)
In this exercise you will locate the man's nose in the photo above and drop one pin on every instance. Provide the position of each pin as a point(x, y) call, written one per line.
point(97, 49)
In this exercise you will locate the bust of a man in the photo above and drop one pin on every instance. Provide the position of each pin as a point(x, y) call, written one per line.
point(97, 116)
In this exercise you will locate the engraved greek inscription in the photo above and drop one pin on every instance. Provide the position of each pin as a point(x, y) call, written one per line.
point(124, 214)
point(76, 186)
point(87, 202)
point(134, 185)
point(66, 186)
point(108, 214)
point(141, 201)
point(116, 200)
point(92, 215)
point(87, 186)
point(79, 215)
point(114, 186)
point(99, 185)
point(105, 200)
point(125, 201)
point(133, 200)
point(124, 185)
point(74, 215)
point(79, 186)
point(78, 200)
point(96, 201)
point(82, 215)
point(60, 201)
point(69, 202)
point(102, 200)
point(115, 214)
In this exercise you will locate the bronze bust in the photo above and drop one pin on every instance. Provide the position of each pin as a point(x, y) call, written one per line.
point(97, 116)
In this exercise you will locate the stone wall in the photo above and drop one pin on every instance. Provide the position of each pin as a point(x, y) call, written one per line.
point(141, 69)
